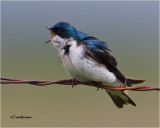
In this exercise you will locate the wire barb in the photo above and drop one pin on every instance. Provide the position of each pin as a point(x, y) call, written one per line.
point(71, 82)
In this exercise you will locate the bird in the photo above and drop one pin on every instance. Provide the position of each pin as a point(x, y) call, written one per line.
point(88, 59)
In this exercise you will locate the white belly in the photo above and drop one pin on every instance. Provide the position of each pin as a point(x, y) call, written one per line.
point(84, 69)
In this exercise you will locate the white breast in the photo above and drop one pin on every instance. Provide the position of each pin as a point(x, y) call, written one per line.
point(72, 62)
point(80, 67)
point(85, 69)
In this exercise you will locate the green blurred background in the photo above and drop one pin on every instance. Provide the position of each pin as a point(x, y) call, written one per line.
point(131, 30)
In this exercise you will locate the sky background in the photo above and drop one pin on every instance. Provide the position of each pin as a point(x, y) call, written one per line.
point(131, 30)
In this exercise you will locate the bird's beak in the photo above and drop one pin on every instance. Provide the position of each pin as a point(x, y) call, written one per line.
point(52, 35)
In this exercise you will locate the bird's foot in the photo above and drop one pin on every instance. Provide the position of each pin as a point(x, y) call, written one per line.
point(74, 82)
point(122, 86)
point(99, 85)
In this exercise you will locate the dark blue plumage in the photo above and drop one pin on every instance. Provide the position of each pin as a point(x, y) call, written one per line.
point(65, 30)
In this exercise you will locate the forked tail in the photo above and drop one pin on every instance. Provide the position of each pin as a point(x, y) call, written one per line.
point(119, 98)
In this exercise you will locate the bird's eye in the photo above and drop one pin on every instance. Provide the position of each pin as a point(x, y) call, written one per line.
point(58, 30)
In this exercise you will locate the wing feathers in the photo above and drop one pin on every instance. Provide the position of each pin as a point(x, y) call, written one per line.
point(135, 81)
point(100, 54)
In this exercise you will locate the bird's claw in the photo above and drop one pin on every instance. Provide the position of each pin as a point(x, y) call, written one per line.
point(74, 82)
point(99, 85)
point(123, 85)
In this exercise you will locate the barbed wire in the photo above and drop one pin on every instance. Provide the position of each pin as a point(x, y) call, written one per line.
point(75, 82)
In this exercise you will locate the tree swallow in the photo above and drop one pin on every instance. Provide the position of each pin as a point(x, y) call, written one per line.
point(87, 59)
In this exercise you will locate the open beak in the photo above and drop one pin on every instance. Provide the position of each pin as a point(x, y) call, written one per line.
point(52, 34)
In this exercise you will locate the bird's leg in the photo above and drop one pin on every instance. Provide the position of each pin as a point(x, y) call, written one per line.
point(74, 82)
point(125, 83)
point(99, 85)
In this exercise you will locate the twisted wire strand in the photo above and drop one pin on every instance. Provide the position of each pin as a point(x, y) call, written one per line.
point(5, 80)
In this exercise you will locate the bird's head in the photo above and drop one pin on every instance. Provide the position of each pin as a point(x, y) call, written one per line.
point(62, 32)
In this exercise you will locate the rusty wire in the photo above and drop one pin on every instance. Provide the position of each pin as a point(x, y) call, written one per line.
point(72, 82)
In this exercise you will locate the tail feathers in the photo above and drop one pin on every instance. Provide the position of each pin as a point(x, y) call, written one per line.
point(135, 81)
point(120, 98)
